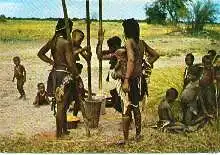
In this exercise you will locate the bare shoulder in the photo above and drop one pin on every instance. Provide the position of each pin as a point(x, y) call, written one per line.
point(64, 41)
point(130, 42)
point(22, 66)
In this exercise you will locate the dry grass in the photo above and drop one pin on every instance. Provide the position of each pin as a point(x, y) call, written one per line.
point(205, 140)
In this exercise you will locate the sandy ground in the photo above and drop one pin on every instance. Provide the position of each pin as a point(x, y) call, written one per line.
point(20, 117)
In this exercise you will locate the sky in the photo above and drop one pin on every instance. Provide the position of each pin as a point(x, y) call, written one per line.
point(112, 9)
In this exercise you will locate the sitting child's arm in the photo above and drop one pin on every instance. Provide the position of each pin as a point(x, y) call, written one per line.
point(36, 101)
point(47, 98)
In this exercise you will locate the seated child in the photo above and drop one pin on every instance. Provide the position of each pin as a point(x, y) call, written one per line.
point(206, 82)
point(42, 96)
point(166, 117)
point(189, 97)
point(164, 109)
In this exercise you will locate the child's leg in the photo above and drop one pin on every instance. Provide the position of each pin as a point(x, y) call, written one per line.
point(20, 88)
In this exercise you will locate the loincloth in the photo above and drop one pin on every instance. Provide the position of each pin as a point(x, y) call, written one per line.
point(132, 97)
point(55, 79)
point(67, 83)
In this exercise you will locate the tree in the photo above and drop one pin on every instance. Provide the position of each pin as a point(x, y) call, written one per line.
point(155, 14)
point(202, 12)
point(176, 9)
point(173, 9)
point(2, 18)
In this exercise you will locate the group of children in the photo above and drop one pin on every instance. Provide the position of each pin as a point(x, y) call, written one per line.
point(20, 75)
point(199, 100)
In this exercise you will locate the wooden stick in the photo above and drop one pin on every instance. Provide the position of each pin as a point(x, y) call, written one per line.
point(66, 20)
point(100, 60)
point(88, 45)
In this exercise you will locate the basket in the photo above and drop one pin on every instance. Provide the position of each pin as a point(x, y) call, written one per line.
point(92, 110)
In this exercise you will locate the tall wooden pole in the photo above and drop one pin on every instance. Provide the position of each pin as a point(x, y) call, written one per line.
point(100, 30)
point(88, 45)
point(66, 20)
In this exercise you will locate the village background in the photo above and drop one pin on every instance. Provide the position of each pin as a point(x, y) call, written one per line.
point(25, 128)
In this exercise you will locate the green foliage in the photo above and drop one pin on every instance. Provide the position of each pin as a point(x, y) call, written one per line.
point(155, 14)
point(202, 12)
point(176, 9)
point(2, 18)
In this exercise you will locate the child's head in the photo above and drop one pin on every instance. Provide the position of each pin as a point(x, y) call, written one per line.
point(207, 61)
point(212, 54)
point(79, 67)
point(41, 87)
point(16, 60)
point(114, 43)
point(189, 59)
point(77, 37)
point(171, 95)
point(131, 29)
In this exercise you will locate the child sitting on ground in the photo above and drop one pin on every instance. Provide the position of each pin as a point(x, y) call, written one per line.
point(42, 96)
point(166, 117)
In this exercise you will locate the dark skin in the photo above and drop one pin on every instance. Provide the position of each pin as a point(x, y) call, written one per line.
point(77, 39)
point(41, 93)
point(105, 54)
point(19, 69)
point(207, 73)
point(152, 53)
point(130, 44)
point(61, 56)
point(206, 80)
point(165, 111)
point(189, 61)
